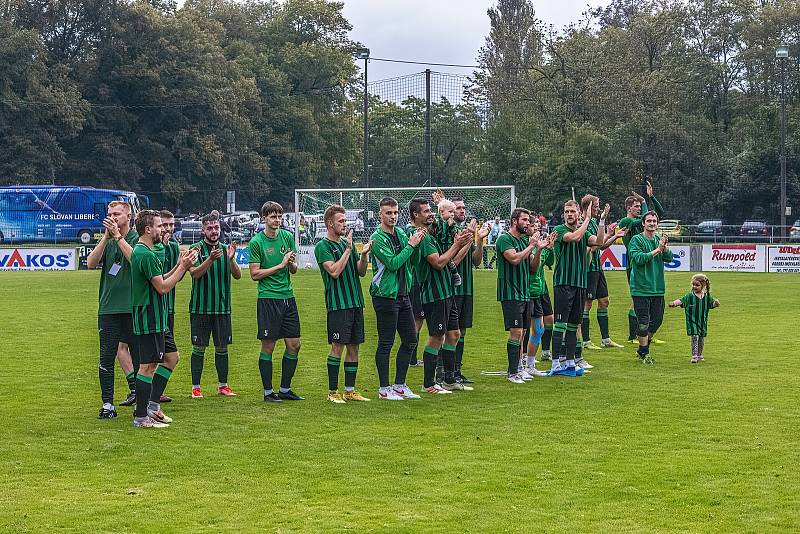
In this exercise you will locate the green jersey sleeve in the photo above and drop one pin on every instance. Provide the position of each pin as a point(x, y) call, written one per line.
point(151, 266)
point(638, 254)
point(427, 246)
point(503, 243)
point(323, 253)
point(254, 252)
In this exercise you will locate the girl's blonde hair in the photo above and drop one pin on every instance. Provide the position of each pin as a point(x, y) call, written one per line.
point(703, 279)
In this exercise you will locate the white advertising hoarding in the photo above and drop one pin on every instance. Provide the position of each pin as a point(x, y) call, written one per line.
point(783, 259)
point(37, 259)
point(615, 258)
point(735, 257)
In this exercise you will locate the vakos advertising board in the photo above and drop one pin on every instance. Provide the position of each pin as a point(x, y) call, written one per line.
point(37, 259)
point(615, 258)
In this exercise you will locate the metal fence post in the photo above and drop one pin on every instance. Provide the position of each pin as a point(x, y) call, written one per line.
point(428, 155)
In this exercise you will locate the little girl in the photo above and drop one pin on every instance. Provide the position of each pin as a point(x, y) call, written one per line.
point(696, 304)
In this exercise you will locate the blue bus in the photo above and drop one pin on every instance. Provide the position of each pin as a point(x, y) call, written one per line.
point(57, 213)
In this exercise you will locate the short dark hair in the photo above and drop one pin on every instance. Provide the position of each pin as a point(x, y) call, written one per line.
point(457, 198)
point(649, 213)
point(166, 214)
point(331, 211)
point(271, 207)
point(388, 201)
point(415, 206)
point(210, 217)
point(519, 211)
point(144, 219)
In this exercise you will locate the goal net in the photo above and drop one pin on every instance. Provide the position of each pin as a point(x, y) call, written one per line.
point(483, 203)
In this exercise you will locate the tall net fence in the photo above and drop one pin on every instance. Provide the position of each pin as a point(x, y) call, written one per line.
point(485, 204)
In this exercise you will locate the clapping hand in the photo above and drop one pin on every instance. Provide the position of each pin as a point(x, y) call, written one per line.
point(417, 237)
point(366, 248)
point(112, 230)
point(188, 258)
point(232, 250)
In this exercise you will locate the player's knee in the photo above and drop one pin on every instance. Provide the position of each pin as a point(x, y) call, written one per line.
point(603, 302)
point(643, 329)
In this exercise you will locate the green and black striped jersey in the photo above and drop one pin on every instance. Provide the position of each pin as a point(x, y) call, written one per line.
point(211, 293)
point(594, 263)
point(513, 281)
point(149, 307)
point(464, 268)
point(696, 309)
point(434, 284)
point(168, 256)
point(344, 292)
point(571, 259)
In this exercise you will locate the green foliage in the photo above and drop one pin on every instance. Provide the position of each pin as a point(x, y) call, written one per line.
point(215, 96)
point(262, 97)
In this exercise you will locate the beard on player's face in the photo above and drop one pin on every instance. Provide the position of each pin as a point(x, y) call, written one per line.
point(521, 226)
point(212, 236)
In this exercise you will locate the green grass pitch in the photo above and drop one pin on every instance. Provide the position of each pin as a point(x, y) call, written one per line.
point(629, 448)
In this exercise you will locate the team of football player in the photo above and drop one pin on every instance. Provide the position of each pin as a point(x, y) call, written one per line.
point(423, 273)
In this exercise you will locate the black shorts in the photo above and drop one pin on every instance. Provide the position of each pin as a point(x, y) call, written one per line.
point(536, 307)
point(416, 302)
point(463, 304)
point(441, 316)
point(650, 312)
point(346, 327)
point(278, 319)
point(596, 285)
point(547, 306)
point(150, 348)
point(516, 314)
point(569, 304)
point(114, 329)
point(206, 325)
point(171, 322)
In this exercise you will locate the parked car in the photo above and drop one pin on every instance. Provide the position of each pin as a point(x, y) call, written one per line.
point(794, 231)
point(192, 232)
point(754, 229)
point(673, 229)
point(711, 229)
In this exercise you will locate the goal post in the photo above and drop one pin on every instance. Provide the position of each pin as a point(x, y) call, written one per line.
point(483, 203)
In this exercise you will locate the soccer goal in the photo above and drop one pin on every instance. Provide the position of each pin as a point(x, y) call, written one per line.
point(483, 203)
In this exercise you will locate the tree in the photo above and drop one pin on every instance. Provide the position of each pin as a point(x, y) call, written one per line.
point(39, 108)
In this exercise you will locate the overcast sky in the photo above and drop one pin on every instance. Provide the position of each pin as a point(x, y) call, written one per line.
point(439, 31)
